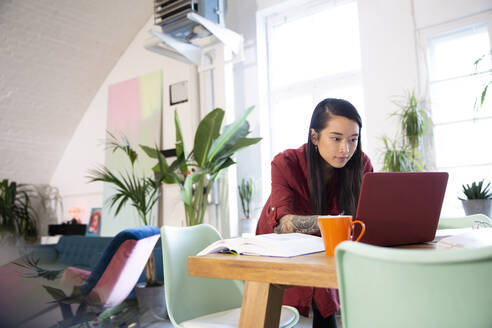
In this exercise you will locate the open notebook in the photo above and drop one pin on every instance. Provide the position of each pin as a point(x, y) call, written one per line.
point(272, 244)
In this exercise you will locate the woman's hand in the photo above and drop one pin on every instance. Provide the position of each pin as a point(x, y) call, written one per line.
point(298, 223)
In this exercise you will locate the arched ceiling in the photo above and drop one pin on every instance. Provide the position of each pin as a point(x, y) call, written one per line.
point(54, 55)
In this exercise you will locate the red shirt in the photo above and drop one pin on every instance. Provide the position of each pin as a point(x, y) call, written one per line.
point(290, 195)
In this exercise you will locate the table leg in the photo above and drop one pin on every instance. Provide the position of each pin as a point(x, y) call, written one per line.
point(262, 303)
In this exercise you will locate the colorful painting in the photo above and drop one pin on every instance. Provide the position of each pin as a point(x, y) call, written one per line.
point(134, 112)
point(94, 226)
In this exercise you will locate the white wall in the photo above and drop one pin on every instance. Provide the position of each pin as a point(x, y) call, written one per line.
point(389, 65)
point(241, 18)
point(86, 149)
point(432, 12)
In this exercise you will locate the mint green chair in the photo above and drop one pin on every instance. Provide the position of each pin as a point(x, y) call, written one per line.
point(461, 222)
point(201, 302)
point(387, 287)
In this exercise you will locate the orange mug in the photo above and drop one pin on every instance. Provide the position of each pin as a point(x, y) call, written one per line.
point(335, 229)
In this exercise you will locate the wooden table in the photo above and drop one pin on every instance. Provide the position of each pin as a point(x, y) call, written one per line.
point(267, 277)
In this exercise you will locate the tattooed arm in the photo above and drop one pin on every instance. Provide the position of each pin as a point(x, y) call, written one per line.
point(298, 223)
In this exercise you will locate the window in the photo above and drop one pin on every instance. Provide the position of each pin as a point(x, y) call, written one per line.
point(461, 132)
point(313, 53)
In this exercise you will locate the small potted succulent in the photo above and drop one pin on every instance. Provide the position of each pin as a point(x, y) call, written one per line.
point(245, 188)
point(478, 198)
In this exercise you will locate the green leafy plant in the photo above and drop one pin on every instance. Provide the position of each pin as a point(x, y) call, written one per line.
point(414, 120)
point(397, 159)
point(246, 195)
point(477, 190)
point(483, 94)
point(142, 192)
point(17, 217)
point(131, 187)
point(401, 154)
point(33, 270)
point(212, 153)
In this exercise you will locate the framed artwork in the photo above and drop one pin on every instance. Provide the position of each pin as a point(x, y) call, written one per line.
point(94, 226)
point(178, 93)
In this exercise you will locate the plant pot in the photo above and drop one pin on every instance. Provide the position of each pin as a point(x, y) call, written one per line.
point(151, 299)
point(477, 206)
point(247, 225)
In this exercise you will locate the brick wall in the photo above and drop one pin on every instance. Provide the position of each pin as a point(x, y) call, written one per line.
point(54, 55)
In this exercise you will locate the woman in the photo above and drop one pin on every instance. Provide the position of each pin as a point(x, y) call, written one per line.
point(322, 177)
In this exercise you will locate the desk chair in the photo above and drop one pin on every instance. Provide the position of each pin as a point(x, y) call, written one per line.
point(386, 287)
point(201, 302)
point(461, 222)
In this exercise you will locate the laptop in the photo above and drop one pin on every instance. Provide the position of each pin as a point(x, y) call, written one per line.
point(400, 208)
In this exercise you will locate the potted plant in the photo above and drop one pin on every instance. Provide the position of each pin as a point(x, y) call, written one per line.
point(246, 195)
point(18, 220)
point(397, 159)
point(197, 170)
point(142, 192)
point(478, 198)
point(401, 154)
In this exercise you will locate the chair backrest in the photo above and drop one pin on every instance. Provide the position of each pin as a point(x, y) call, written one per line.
point(462, 221)
point(385, 287)
point(120, 266)
point(188, 297)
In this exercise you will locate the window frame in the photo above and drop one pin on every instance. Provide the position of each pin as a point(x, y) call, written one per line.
point(266, 19)
point(422, 36)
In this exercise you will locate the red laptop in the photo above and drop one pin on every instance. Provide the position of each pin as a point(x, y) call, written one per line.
point(400, 208)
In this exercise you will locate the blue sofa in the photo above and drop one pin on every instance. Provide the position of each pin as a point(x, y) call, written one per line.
point(82, 252)
point(78, 251)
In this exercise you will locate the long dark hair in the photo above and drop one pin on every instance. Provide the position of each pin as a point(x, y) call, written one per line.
point(349, 176)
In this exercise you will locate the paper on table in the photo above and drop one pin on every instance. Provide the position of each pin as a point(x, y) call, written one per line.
point(443, 233)
point(469, 239)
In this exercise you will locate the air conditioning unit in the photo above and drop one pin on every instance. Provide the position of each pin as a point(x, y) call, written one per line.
point(171, 16)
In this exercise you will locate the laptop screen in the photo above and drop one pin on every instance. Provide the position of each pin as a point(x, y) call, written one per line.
point(400, 208)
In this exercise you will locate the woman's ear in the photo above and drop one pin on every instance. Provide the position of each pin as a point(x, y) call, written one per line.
point(314, 136)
